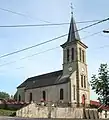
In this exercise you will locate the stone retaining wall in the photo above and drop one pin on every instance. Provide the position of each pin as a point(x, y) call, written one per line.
point(33, 111)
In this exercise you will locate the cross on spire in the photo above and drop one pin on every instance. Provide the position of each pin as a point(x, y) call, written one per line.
point(71, 9)
point(73, 32)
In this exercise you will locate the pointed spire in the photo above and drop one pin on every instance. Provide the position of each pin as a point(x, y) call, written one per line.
point(73, 32)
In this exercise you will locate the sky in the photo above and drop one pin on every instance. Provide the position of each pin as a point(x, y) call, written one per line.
point(42, 12)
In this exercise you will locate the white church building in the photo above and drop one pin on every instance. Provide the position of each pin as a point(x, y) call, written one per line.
point(69, 85)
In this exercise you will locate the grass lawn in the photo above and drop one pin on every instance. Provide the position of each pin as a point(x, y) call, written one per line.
point(4, 112)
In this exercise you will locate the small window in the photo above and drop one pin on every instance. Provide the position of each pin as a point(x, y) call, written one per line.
point(19, 98)
point(61, 94)
point(85, 81)
point(81, 80)
point(67, 55)
point(72, 53)
point(31, 97)
point(74, 92)
point(80, 54)
point(44, 95)
point(83, 56)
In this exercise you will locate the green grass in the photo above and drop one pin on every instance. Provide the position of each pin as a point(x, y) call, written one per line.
point(4, 112)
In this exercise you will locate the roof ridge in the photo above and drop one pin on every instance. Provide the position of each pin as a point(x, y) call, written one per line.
point(45, 74)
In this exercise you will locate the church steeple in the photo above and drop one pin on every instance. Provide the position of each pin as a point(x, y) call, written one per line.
point(73, 32)
point(74, 65)
point(73, 48)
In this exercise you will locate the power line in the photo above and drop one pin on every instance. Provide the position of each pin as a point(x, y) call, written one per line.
point(25, 15)
point(52, 49)
point(18, 51)
point(39, 53)
point(23, 58)
point(59, 46)
point(20, 68)
point(93, 34)
point(33, 46)
point(41, 25)
point(8, 63)
point(22, 14)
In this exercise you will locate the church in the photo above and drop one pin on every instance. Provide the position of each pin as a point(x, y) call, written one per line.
point(69, 85)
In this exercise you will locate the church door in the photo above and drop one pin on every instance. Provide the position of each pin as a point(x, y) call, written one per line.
point(83, 99)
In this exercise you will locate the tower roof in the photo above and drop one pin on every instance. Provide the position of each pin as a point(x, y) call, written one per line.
point(73, 32)
point(73, 35)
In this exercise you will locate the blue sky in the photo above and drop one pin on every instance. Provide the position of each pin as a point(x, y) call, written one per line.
point(55, 11)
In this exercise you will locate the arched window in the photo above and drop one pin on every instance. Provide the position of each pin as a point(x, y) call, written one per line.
point(44, 95)
point(80, 54)
point(19, 98)
point(61, 94)
point(83, 59)
point(31, 97)
point(84, 82)
point(73, 92)
point(67, 55)
point(72, 53)
point(81, 80)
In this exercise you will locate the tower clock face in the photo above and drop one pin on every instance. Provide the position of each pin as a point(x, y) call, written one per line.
point(82, 69)
point(70, 69)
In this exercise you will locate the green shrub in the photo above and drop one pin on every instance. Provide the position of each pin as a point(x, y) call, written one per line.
point(4, 112)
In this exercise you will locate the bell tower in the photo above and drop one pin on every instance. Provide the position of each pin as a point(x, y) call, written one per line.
point(74, 65)
point(70, 54)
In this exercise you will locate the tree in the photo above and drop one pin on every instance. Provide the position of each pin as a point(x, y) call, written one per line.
point(15, 96)
point(100, 84)
point(4, 95)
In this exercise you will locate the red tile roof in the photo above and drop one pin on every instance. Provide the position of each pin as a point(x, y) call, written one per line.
point(98, 104)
